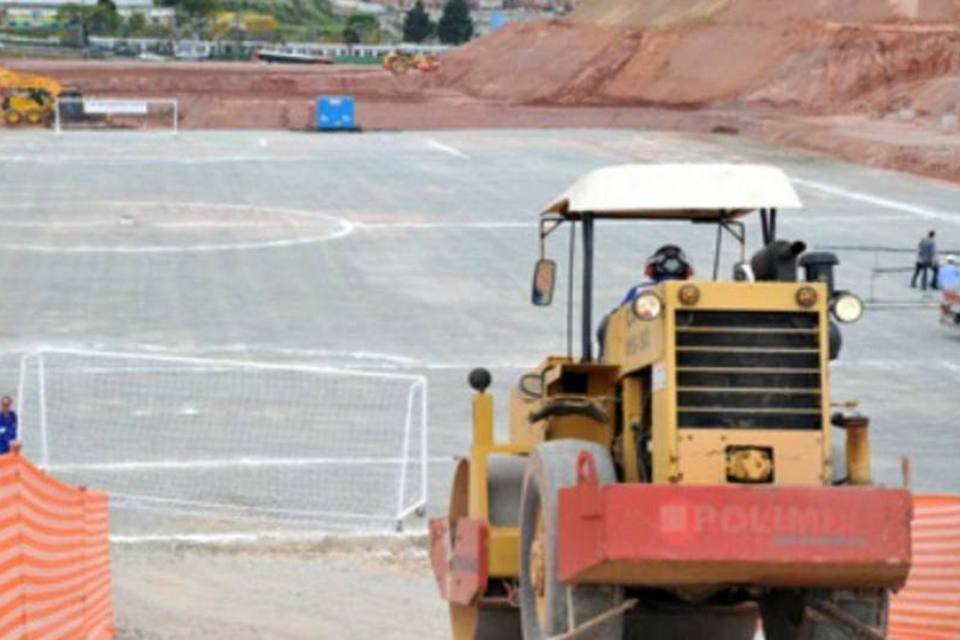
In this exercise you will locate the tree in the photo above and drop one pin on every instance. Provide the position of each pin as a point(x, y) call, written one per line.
point(455, 24)
point(351, 35)
point(417, 25)
point(136, 24)
point(101, 18)
point(197, 8)
point(360, 26)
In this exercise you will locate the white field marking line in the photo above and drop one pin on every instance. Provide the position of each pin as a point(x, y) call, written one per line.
point(263, 536)
point(111, 160)
point(199, 363)
point(113, 224)
point(242, 364)
point(952, 366)
point(344, 227)
point(887, 203)
point(469, 224)
point(366, 359)
point(243, 512)
point(439, 146)
point(329, 521)
point(230, 463)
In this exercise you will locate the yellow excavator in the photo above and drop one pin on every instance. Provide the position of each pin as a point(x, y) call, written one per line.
point(30, 98)
point(400, 62)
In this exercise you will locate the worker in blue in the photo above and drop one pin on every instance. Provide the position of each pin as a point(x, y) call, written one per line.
point(949, 276)
point(8, 424)
point(669, 262)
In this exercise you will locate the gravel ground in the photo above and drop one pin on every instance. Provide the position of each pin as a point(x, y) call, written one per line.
point(401, 252)
point(169, 593)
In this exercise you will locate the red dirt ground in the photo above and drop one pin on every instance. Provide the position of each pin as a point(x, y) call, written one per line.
point(875, 81)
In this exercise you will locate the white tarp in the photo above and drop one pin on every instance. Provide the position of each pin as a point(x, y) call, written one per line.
point(121, 107)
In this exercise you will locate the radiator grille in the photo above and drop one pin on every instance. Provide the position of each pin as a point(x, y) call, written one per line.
point(748, 370)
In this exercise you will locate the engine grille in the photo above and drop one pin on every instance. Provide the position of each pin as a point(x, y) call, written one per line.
point(748, 370)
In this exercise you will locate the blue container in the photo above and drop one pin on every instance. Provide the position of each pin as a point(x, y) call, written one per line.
point(336, 113)
point(498, 20)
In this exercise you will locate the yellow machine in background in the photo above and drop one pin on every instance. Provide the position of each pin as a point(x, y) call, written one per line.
point(682, 482)
point(247, 22)
point(400, 62)
point(30, 98)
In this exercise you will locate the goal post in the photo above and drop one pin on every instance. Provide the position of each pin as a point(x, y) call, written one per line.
point(229, 443)
point(73, 113)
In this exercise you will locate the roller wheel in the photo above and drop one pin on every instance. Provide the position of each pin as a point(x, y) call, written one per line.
point(787, 616)
point(492, 618)
point(12, 117)
point(34, 116)
point(545, 602)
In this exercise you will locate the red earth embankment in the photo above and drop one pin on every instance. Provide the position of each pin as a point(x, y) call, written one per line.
point(874, 81)
point(805, 66)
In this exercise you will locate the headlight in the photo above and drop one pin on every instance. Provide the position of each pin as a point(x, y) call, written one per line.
point(846, 307)
point(647, 306)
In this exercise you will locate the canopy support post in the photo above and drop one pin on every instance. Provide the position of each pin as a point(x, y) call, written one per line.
point(570, 274)
point(587, 294)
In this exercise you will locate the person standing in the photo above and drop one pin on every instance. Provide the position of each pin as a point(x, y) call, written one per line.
point(950, 275)
point(926, 260)
point(8, 424)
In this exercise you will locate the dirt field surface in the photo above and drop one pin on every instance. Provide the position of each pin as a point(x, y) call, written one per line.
point(300, 593)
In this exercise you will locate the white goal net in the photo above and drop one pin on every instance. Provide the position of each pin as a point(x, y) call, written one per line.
point(134, 114)
point(202, 444)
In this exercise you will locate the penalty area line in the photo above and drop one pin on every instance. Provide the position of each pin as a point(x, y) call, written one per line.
point(414, 539)
point(229, 463)
point(887, 203)
point(444, 148)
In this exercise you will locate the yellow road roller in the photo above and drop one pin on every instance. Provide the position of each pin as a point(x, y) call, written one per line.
point(687, 474)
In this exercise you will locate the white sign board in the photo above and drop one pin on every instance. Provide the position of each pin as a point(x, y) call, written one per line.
point(122, 107)
point(659, 375)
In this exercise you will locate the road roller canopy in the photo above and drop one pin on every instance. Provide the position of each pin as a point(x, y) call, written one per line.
point(698, 192)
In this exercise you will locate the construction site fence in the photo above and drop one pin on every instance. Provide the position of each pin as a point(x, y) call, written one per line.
point(928, 607)
point(54, 556)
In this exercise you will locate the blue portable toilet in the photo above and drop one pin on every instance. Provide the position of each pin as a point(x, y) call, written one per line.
point(336, 113)
point(498, 20)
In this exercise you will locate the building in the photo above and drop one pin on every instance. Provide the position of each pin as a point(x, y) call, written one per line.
point(27, 14)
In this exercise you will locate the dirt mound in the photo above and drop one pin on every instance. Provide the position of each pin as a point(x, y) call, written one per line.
point(689, 53)
point(537, 61)
point(220, 79)
point(672, 14)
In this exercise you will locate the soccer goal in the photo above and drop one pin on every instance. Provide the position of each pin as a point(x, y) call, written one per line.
point(133, 114)
point(225, 444)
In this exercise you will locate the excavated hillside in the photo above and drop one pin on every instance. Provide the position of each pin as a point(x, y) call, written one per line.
point(810, 57)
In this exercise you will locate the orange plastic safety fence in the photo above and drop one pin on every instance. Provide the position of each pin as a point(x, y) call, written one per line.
point(54, 557)
point(928, 608)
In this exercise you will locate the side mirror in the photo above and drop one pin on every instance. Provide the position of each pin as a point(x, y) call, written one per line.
point(544, 278)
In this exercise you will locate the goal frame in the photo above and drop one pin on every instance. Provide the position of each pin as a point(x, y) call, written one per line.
point(417, 385)
point(117, 103)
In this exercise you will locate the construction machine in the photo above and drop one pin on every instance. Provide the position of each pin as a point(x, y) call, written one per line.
point(30, 98)
point(682, 481)
point(400, 62)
